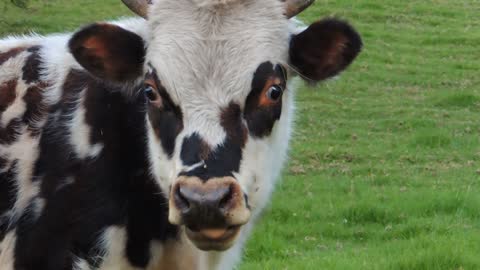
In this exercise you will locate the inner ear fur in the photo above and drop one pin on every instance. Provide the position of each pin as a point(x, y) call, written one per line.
point(324, 49)
point(109, 52)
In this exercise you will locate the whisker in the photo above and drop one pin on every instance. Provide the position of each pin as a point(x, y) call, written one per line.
point(309, 80)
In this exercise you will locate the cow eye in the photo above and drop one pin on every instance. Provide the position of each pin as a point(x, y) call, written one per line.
point(153, 96)
point(275, 92)
point(150, 92)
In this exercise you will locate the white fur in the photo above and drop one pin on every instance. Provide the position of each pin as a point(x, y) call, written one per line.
point(20, 41)
point(81, 264)
point(7, 251)
point(18, 107)
point(159, 161)
point(114, 243)
point(80, 133)
point(26, 151)
point(12, 70)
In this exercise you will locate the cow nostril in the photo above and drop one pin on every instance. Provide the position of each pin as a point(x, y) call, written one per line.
point(226, 199)
point(181, 200)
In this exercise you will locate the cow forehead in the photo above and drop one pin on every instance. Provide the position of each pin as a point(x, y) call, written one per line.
point(207, 55)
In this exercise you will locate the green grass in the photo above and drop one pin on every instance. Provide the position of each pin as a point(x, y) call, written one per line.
point(385, 167)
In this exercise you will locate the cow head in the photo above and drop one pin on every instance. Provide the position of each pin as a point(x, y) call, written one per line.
point(215, 74)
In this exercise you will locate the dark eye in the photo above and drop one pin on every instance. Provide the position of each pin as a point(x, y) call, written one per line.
point(151, 94)
point(275, 92)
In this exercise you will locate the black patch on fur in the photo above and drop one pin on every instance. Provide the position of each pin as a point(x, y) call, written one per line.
point(36, 108)
point(231, 121)
point(225, 159)
point(5, 56)
point(3, 229)
point(194, 150)
point(38, 249)
point(7, 192)
point(32, 68)
point(324, 49)
point(55, 146)
point(11, 132)
point(86, 196)
point(167, 122)
point(222, 162)
point(109, 52)
point(7, 186)
point(147, 219)
point(260, 118)
point(3, 163)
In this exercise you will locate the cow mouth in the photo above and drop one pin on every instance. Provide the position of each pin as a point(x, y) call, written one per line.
point(215, 239)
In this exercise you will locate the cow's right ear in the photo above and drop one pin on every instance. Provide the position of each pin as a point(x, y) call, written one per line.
point(109, 52)
point(324, 49)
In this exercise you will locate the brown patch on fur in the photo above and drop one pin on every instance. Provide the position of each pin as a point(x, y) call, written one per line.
point(8, 94)
point(339, 42)
point(97, 47)
point(4, 57)
point(31, 70)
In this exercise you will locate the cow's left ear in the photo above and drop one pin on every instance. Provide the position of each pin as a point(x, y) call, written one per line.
point(324, 49)
point(109, 52)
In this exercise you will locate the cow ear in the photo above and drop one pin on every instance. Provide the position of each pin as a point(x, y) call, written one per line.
point(109, 52)
point(324, 49)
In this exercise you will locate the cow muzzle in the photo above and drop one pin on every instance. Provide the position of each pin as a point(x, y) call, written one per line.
point(212, 211)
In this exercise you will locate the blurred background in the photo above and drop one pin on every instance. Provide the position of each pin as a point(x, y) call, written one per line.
point(385, 161)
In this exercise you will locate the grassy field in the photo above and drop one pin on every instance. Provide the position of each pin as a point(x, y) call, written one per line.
point(385, 168)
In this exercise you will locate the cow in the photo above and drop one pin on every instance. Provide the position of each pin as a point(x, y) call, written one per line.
point(154, 142)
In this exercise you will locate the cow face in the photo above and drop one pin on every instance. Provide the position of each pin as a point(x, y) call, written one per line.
point(219, 104)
